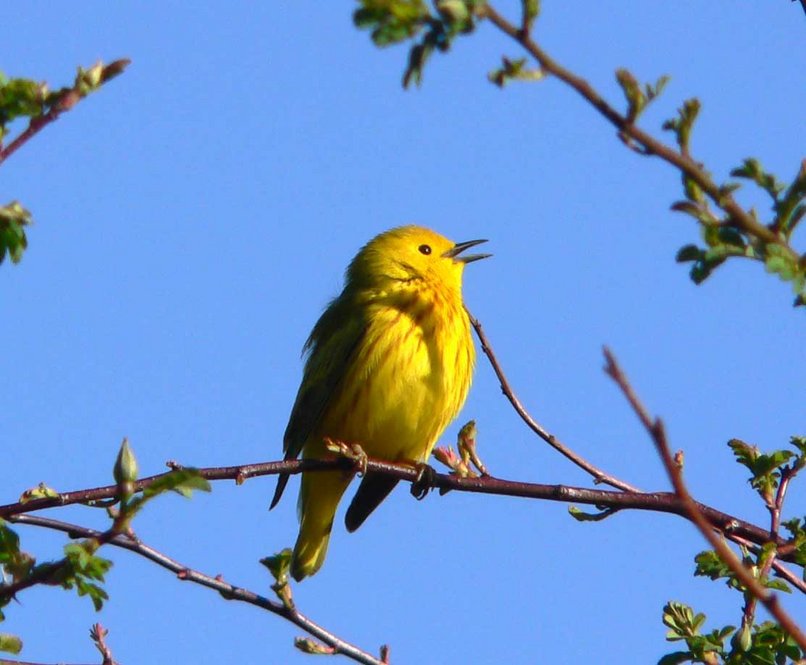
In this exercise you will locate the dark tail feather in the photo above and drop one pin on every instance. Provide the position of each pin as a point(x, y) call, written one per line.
point(372, 490)
point(282, 481)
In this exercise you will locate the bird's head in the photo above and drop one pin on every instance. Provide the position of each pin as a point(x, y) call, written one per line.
point(411, 254)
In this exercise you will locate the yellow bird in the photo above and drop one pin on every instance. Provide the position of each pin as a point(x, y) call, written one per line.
point(389, 365)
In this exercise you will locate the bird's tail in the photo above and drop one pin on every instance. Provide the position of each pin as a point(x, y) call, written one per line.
point(318, 500)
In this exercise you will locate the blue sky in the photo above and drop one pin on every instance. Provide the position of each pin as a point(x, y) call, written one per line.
point(195, 216)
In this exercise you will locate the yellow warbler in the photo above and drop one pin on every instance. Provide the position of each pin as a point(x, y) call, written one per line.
point(389, 365)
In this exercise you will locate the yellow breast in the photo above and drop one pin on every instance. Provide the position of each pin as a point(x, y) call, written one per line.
point(409, 378)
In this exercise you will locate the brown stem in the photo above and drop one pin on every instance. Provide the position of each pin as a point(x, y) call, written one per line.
point(98, 635)
point(673, 466)
point(665, 502)
point(63, 101)
point(226, 589)
point(599, 476)
point(739, 217)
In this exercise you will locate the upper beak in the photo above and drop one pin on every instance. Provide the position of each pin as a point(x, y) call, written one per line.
point(459, 247)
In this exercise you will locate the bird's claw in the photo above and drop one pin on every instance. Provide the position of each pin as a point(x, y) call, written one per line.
point(351, 451)
point(424, 483)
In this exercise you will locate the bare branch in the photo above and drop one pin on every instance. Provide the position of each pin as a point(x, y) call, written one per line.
point(599, 476)
point(227, 590)
point(632, 134)
point(673, 466)
point(665, 502)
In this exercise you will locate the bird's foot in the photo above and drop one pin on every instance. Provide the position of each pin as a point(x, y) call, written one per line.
point(351, 451)
point(425, 481)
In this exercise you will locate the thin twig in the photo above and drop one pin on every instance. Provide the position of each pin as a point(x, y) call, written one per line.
point(651, 146)
point(48, 573)
point(98, 635)
point(657, 432)
point(227, 590)
point(780, 569)
point(62, 101)
point(7, 661)
point(599, 476)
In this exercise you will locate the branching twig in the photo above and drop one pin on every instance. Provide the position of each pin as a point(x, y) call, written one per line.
point(48, 573)
point(673, 467)
point(63, 101)
point(599, 476)
point(227, 590)
point(738, 216)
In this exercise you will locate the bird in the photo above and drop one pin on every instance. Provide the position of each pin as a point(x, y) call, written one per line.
point(388, 366)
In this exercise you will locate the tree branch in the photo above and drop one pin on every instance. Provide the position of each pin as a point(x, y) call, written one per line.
point(673, 466)
point(64, 100)
point(599, 476)
point(227, 590)
point(664, 502)
point(739, 217)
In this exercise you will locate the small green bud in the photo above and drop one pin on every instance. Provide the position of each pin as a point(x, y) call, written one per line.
point(125, 471)
point(743, 640)
point(307, 645)
point(453, 11)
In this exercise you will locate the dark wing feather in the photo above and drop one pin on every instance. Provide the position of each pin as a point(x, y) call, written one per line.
point(331, 348)
point(372, 490)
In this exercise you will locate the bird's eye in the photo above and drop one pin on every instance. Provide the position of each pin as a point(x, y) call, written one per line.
point(425, 249)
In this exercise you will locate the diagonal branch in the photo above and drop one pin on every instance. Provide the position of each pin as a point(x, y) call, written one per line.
point(227, 590)
point(599, 476)
point(673, 467)
point(650, 146)
point(64, 100)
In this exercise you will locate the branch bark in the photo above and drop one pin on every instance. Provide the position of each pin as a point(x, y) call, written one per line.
point(216, 583)
point(674, 468)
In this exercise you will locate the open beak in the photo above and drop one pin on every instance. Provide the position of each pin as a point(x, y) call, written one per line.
point(459, 247)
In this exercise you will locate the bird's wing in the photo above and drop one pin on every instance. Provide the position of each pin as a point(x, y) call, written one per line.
point(331, 348)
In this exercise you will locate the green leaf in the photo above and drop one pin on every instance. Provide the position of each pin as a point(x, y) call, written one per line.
point(676, 658)
point(10, 643)
point(779, 261)
point(684, 122)
point(13, 220)
point(41, 491)
point(799, 442)
point(730, 236)
point(182, 481)
point(636, 99)
point(780, 585)
point(789, 208)
point(9, 542)
point(391, 21)
point(653, 91)
point(278, 564)
point(82, 570)
point(688, 253)
point(581, 516)
point(751, 169)
point(21, 98)
point(681, 620)
point(514, 70)
point(710, 565)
